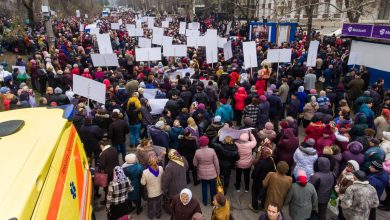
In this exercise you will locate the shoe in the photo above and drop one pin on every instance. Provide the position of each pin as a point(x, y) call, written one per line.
point(139, 210)
point(246, 191)
point(238, 190)
point(253, 209)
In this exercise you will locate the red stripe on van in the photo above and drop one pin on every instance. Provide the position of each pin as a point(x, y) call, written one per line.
point(79, 174)
point(59, 188)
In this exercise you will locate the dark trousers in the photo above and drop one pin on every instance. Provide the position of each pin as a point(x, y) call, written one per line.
point(239, 171)
point(194, 173)
point(386, 202)
point(121, 148)
point(341, 216)
point(226, 179)
point(137, 204)
point(258, 192)
point(211, 184)
point(372, 214)
point(322, 211)
point(154, 207)
point(238, 117)
point(42, 86)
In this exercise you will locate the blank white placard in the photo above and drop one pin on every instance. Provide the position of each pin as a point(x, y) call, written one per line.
point(175, 51)
point(227, 50)
point(130, 26)
point(144, 42)
point(150, 22)
point(165, 24)
point(157, 105)
point(221, 42)
point(182, 29)
point(89, 88)
point(354, 58)
point(104, 43)
point(279, 55)
point(211, 49)
point(148, 54)
point(192, 42)
point(104, 59)
point(158, 34)
point(167, 41)
point(150, 93)
point(312, 56)
point(250, 57)
point(115, 26)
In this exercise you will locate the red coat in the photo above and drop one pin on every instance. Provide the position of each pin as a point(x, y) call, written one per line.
point(239, 98)
point(287, 145)
point(75, 71)
point(233, 79)
point(260, 87)
point(314, 130)
point(322, 142)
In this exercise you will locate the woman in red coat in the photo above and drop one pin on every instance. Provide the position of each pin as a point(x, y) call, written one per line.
point(233, 78)
point(286, 146)
point(260, 86)
point(239, 104)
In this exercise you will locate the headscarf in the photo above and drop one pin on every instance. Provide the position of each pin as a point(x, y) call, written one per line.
point(301, 89)
point(119, 175)
point(153, 167)
point(189, 193)
point(175, 157)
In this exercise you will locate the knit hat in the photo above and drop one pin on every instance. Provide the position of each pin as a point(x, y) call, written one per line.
point(131, 158)
point(223, 101)
point(3, 90)
point(284, 124)
point(355, 146)
point(386, 135)
point(160, 124)
point(269, 126)
point(217, 119)
point(310, 142)
point(248, 121)
point(301, 178)
point(201, 106)
point(203, 141)
point(313, 91)
point(354, 164)
point(377, 164)
point(58, 90)
point(360, 175)
point(386, 112)
point(263, 98)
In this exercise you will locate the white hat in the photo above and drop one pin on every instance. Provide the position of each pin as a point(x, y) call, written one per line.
point(131, 158)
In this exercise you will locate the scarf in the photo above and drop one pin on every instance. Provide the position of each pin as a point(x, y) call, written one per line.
point(154, 172)
point(119, 175)
point(188, 193)
point(175, 157)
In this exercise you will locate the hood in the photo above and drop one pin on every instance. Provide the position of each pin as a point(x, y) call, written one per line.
point(323, 164)
point(308, 150)
point(226, 106)
point(355, 147)
point(177, 130)
point(301, 89)
point(360, 118)
point(354, 164)
point(143, 101)
point(244, 137)
point(288, 133)
point(241, 90)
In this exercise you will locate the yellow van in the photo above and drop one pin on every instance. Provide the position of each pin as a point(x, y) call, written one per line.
point(44, 172)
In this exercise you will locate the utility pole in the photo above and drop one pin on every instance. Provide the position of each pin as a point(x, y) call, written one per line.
point(48, 25)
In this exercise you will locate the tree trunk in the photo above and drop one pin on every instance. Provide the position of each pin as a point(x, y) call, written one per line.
point(309, 13)
point(29, 5)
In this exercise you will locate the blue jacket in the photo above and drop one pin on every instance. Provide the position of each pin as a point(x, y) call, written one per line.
point(134, 173)
point(226, 113)
point(379, 181)
point(159, 137)
point(174, 136)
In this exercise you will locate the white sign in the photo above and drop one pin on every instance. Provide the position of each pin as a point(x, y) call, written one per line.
point(283, 34)
point(130, 26)
point(45, 9)
point(148, 54)
point(175, 50)
point(104, 60)
point(192, 42)
point(150, 93)
point(144, 42)
point(78, 13)
point(182, 29)
point(165, 24)
point(312, 56)
point(279, 55)
point(354, 58)
point(81, 27)
point(157, 105)
point(22, 69)
point(227, 50)
point(104, 43)
point(138, 23)
point(158, 34)
point(229, 26)
point(94, 30)
point(192, 33)
point(211, 32)
point(115, 26)
point(235, 134)
point(169, 19)
point(194, 26)
point(89, 88)
point(211, 49)
point(120, 21)
point(250, 57)
point(221, 42)
point(150, 22)
point(202, 41)
point(167, 41)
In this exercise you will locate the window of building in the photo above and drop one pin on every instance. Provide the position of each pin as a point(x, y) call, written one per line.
point(384, 10)
point(269, 5)
point(326, 7)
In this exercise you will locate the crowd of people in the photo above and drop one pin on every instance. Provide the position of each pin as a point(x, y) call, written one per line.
point(341, 157)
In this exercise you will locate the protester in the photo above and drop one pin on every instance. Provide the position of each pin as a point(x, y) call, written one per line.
point(184, 205)
point(133, 170)
point(221, 208)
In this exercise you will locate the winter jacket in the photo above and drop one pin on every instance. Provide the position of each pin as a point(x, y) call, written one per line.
point(174, 136)
point(134, 173)
point(277, 186)
point(201, 97)
point(357, 201)
point(227, 154)
point(304, 159)
point(207, 163)
point(147, 118)
point(187, 147)
point(180, 211)
point(357, 129)
point(239, 98)
point(323, 180)
point(152, 183)
point(159, 137)
point(174, 106)
point(314, 130)
point(117, 131)
point(385, 146)
point(309, 110)
point(233, 79)
point(355, 88)
point(287, 146)
point(322, 142)
point(187, 98)
point(211, 93)
point(263, 114)
point(302, 200)
point(293, 108)
point(264, 133)
point(260, 86)
point(381, 125)
point(275, 103)
point(174, 178)
point(245, 144)
point(90, 135)
point(137, 103)
point(379, 181)
point(226, 113)
point(369, 115)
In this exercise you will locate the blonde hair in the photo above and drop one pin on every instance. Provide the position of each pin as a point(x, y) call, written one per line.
point(191, 121)
point(327, 150)
point(228, 140)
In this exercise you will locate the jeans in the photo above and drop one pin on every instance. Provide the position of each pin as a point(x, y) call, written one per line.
point(134, 134)
point(121, 148)
point(211, 183)
point(246, 178)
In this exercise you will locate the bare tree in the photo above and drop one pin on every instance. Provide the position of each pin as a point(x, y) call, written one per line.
point(29, 5)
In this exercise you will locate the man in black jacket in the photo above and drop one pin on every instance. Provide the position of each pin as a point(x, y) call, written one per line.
point(117, 131)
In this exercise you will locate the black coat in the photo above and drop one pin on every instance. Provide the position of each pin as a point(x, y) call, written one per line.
point(201, 97)
point(227, 154)
point(187, 147)
point(90, 135)
point(117, 131)
point(107, 161)
point(275, 106)
point(262, 168)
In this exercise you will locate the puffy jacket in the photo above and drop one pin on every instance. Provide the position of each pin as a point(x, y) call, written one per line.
point(275, 106)
point(174, 136)
point(245, 145)
point(304, 159)
point(233, 79)
point(287, 145)
point(314, 130)
point(226, 113)
point(260, 87)
point(187, 147)
point(159, 137)
point(323, 180)
point(239, 98)
point(353, 152)
point(322, 142)
point(357, 129)
point(227, 154)
point(207, 163)
point(263, 114)
point(379, 181)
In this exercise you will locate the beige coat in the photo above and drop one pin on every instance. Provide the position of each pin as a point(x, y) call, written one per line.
point(277, 186)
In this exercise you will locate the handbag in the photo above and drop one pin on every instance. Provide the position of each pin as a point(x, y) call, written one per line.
point(321, 79)
point(333, 204)
point(100, 179)
point(219, 185)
